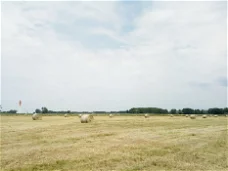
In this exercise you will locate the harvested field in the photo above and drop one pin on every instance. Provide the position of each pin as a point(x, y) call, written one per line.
point(123, 143)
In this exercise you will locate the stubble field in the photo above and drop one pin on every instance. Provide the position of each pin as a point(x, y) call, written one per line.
point(123, 143)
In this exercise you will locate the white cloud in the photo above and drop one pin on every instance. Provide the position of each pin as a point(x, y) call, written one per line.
point(172, 57)
point(107, 32)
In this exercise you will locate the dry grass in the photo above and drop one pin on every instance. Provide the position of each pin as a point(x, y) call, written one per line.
point(124, 143)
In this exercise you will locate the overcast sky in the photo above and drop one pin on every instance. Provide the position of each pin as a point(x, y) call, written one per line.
point(113, 55)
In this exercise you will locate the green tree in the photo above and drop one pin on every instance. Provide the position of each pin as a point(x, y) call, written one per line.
point(44, 110)
point(148, 110)
point(173, 111)
point(197, 111)
point(225, 110)
point(12, 111)
point(38, 111)
point(216, 111)
point(179, 111)
point(187, 111)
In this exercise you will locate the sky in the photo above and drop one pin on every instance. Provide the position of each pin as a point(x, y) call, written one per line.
point(113, 55)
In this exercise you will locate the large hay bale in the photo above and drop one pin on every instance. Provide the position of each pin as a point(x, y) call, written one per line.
point(193, 116)
point(215, 115)
point(171, 115)
point(66, 115)
point(37, 116)
point(186, 116)
point(204, 116)
point(86, 118)
point(110, 115)
point(80, 115)
point(146, 116)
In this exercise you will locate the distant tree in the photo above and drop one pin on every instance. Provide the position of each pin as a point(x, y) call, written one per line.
point(147, 110)
point(165, 111)
point(122, 111)
point(38, 111)
point(187, 111)
point(197, 111)
point(179, 111)
point(44, 110)
point(173, 111)
point(216, 111)
point(133, 110)
point(99, 112)
point(225, 110)
point(12, 111)
point(68, 111)
point(203, 111)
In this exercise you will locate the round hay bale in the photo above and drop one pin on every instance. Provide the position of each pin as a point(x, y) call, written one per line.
point(146, 116)
point(36, 116)
point(171, 115)
point(215, 115)
point(110, 115)
point(186, 116)
point(86, 118)
point(66, 115)
point(193, 116)
point(204, 116)
point(80, 115)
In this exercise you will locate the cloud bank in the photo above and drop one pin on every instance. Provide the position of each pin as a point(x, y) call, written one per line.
point(113, 55)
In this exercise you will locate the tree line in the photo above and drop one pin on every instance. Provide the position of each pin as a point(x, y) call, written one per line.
point(138, 110)
point(179, 111)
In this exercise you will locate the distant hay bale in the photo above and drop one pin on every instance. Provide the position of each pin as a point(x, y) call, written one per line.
point(80, 115)
point(204, 116)
point(215, 115)
point(36, 116)
point(146, 116)
point(86, 118)
point(66, 115)
point(186, 115)
point(193, 116)
point(171, 115)
point(110, 115)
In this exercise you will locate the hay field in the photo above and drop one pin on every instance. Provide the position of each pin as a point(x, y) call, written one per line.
point(123, 143)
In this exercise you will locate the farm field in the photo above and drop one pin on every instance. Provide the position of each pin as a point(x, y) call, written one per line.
point(121, 143)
